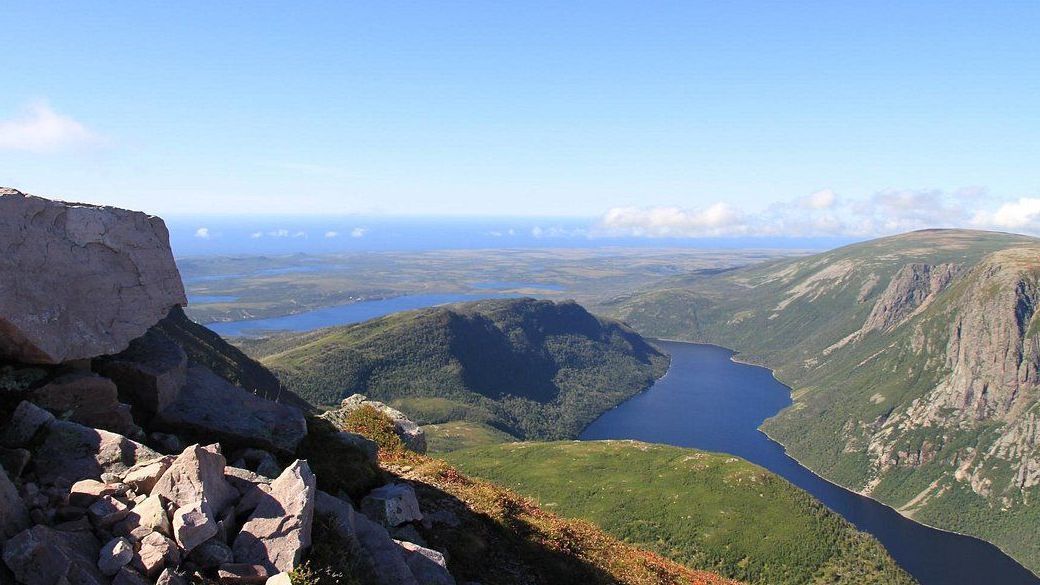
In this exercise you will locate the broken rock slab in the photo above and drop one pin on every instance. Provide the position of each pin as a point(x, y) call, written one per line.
point(71, 452)
point(44, 556)
point(196, 476)
point(427, 565)
point(212, 407)
point(279, 529)
point(88, 399)
point(78, 281)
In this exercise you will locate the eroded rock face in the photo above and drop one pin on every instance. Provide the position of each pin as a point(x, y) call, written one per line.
point(78, 281)
point(210, 406)
point(279, 530)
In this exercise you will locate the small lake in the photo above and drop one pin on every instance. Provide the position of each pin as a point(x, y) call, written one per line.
point(707, 401)
point(340, 314)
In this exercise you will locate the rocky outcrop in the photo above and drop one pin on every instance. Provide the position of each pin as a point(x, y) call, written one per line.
point(411, 434)
point(78, 281)
point(911, 289)
point(101, 375)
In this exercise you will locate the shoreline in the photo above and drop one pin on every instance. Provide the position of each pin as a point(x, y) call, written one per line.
point(787, 453)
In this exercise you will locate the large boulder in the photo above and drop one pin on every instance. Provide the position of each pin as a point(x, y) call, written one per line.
point(88, 399)
point(427, 565)
point(78, 281)
point(412, 435)
point(210, 406)
point(45, 556)
point(197, 477)
point(150, 373)
point(71, 452)
point(279, 529)
point(27, 420)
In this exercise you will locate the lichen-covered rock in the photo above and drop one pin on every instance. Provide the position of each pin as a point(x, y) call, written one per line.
point(212, 407)
point(392, 505)
point(279, 529)
point(88, 399)
point(149, 374)
point(71, 452)
point(78, 281)
point(411, 433)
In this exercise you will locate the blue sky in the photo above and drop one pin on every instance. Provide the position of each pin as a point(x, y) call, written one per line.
point(695, 119)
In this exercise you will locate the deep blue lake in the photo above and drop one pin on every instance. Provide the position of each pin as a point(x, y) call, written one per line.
point(707, 401)
point(340, 314)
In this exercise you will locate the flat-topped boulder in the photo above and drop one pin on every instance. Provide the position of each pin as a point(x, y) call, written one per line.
point(78, 281)
point(71, 452)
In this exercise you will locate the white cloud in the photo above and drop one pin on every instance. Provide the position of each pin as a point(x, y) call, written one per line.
point(824, 199)
point(331, 234)
point(718, 219)
point(256, 235)
point(1023, 214)
point(203, 233)
point(537, 231)
point(38, 128)
point(358, 232)
point(279, 233)
point(300, 235)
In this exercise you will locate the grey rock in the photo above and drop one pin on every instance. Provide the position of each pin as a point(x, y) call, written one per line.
point(114, 556)
point(156, 552)
point(279, 579)
point(428, 566)
point(72, 452)
point(148, 516)
point(150, 373)
point(367, 446)
point(79, 281)
point(14, 460)
point(84, 492)
point(171, 577)
point(381, 555)
point(210, 406)
point(196, 477)
point(26, 421)
point(212, 554)
point(143, 476)
point(128, 576)
point(107, 511)
point(279, 530)
point(14, 516)
point(392, 505)
point(45, 556)
point(193, 525)
point(88, 399)
point(243, 574)
point(167, 443)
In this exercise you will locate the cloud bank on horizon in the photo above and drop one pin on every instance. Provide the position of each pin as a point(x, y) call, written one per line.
point(824, 213)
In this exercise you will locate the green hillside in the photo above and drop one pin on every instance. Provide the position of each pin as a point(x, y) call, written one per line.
point(913, 361)
point(701, 509)
point(533, 369)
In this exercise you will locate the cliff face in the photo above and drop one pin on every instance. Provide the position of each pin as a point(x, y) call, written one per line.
point(914, 367)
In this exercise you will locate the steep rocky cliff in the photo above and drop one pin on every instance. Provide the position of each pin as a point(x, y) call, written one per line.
point(913, 361)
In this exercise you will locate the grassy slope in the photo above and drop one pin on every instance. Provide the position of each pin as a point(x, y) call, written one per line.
point(529, 368)
point(701, 509)
point(502, 538)
point(756, 311)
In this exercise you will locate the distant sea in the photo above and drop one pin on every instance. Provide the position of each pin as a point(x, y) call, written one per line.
point(213, 235)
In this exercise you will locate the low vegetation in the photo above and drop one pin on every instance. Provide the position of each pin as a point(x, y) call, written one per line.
point(531, 369)
point(502, 538)
point(704, 510)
